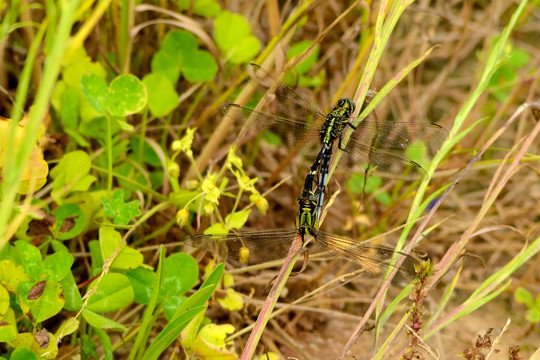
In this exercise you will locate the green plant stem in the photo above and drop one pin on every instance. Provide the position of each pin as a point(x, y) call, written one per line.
point(494, 59)
point(126, 20)
point(142, 137)
point(129, 180)
point(108, 146)
point(271, 300)
point(17, 156)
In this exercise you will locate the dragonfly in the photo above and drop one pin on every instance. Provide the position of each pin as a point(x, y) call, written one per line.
point(252, 247)
point(373, 147)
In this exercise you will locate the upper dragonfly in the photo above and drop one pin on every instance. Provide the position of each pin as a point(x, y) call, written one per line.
point(373, 146)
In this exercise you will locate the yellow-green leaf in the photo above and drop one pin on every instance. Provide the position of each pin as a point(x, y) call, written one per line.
point(232, 301)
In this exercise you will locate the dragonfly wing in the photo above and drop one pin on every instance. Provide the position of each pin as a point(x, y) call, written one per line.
point(385, 163)
point(371, 260)
point(246, 247)
point(393, 149)
point(283, 100)
point(291, 132)
point(401, 135)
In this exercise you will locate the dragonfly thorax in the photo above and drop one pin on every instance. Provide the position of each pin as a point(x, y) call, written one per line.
point(307, 216)
point(336, 120)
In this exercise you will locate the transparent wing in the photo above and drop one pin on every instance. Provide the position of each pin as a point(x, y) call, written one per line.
point(350, 255)
point(261, 246)
point(392, 149)
point(246, 247)
point(292, 132)
point(400, 135)
point(284, 101)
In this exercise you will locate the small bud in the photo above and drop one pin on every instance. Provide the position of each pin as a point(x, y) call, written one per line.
point(208, 208)
point(184, 144)
point(192, 184)
point(260, 202)
point(174, 170)
point(243, 182)
point(243, 255)
point(234, 159)
point(182, 217)
point(176, 145)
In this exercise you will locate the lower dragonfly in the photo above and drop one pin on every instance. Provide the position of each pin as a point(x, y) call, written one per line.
point(372, 147)
point(267, 245)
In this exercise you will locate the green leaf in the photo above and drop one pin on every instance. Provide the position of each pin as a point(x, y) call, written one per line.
point(71, 174)
point(127, 258)
point(180, 274)
point(206, 290)
point(180, 44)
point(233, 37)
point(4, 300)
point(201, 67)
point(170, 333)
point(71, 293)
point(70, 221)
point(57, 266)
point(31, 259)
point(216, 229)
point(306, 64)
point(232, 301)
point(162, 98)
point(533, 315)
point(12, 275)
point(95, 255)
point(106, 343)
point(48, 302)
point(206, 8)
point(171, 304)
point(237, 219)
point(118, 210)
point(143, 281)
point(95, 90)
point(113, 293)
point(67, 327)
point(127, 95)
point(8, 326)
point(166, 64)
point(101, 322)
point(189, 334)
point(210, 343)
point(523, 296)
point(269, 355)
point(23, 354)
point(69, 111)
point(149, 155)
point(79, 65)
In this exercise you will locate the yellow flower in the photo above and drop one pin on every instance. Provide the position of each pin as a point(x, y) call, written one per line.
point(234, 159)
point(211, 192)
point(184, 144)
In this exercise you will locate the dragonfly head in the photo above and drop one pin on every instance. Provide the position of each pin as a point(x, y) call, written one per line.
point(347, 105)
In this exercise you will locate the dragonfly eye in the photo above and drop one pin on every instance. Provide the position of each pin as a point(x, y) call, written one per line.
point(347, 104)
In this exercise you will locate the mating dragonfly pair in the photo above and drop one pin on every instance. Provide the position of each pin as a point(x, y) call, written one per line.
point(372, 147)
